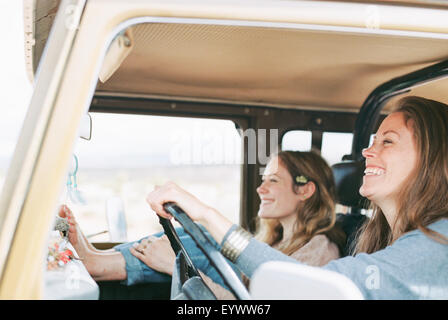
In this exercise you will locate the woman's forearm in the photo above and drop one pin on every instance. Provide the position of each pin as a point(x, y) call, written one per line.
point(257, 253)
point(216, 224)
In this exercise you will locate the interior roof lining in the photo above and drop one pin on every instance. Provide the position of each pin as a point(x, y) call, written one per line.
point(280, 25)
point(270, 25)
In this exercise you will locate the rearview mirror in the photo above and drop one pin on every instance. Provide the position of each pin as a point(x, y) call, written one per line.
point(85, 130)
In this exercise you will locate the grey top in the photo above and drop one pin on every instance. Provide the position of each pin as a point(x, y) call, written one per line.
point(413, 267)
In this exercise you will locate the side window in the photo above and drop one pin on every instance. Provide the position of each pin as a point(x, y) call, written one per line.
point(297, 140)
point(335, 145)
point(128, 155)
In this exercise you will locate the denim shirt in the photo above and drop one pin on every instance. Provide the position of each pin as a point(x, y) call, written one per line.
point(138, 272)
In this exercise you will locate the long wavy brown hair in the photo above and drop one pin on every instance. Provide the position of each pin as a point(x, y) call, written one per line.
point(316, 215)
point(423, 198)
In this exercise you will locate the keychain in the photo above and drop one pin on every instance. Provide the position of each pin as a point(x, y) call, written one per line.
point(72, 186)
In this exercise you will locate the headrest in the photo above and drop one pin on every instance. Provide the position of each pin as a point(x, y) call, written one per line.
point(348, 178)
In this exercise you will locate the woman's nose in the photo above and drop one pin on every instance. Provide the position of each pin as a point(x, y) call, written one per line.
point(261, 188)
point(368, 152)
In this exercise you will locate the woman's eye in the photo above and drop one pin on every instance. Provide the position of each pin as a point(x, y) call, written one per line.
point(387, 141)
point(268, 179)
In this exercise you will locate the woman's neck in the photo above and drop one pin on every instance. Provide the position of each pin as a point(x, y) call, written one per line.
point(288, 224)
point(389, 209)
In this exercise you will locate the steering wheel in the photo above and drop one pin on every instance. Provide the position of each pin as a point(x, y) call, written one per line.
point(202, 240)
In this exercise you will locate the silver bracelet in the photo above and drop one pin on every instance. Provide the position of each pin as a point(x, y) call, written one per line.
point(235, 243)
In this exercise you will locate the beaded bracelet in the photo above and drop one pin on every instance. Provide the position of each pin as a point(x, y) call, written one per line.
point(235, 243)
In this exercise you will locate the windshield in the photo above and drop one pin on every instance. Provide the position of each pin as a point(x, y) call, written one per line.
point(15, 88)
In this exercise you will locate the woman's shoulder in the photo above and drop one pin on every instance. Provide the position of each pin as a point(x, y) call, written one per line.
point(440, 227)
point(317, 252)
point(319, 240)
point(324, 242)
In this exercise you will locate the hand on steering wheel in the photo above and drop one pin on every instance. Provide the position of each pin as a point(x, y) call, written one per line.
point(204, 243)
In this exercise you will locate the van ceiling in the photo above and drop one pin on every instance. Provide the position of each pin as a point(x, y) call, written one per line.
point(268, 66)
point(284, 67)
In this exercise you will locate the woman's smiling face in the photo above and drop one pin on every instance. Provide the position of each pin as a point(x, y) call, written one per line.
point(390, 160)
point(278, 199)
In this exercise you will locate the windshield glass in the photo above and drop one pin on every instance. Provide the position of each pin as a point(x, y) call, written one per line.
point(15, 88)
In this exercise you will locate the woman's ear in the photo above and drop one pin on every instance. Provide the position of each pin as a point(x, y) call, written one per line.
point(307, 190)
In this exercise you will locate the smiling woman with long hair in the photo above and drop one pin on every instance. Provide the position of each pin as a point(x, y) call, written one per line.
point(313, 222)
point(422, 198)
point(406, 179)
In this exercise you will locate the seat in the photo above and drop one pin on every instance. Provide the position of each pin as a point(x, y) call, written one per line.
point(277, 280)
point(348, 179)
